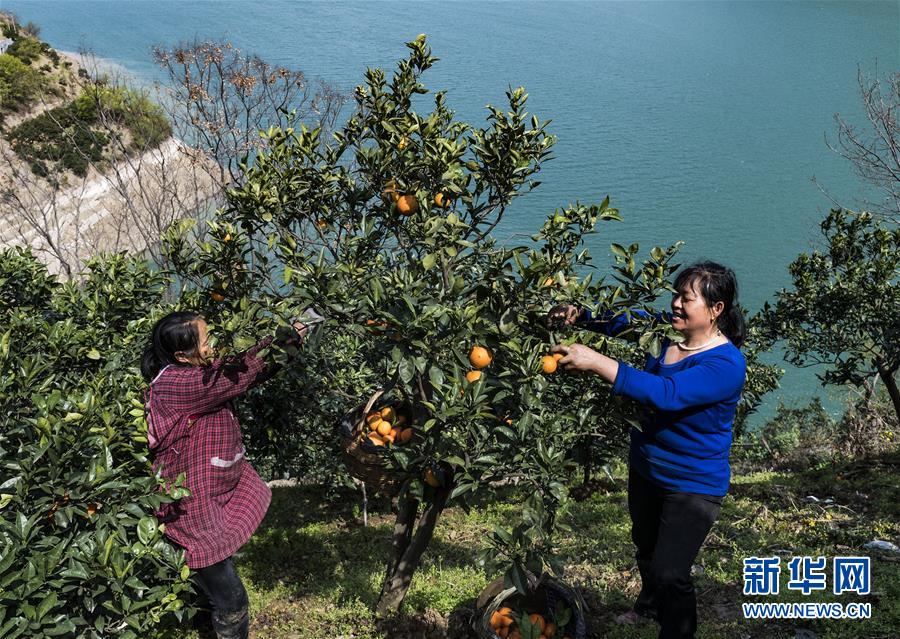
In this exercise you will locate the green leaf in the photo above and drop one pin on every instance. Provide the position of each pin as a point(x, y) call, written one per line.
point(407, 370)
point(428, 261)
point(44, 607)
point(516, 577)
point(435, 375)
point(146, 529)
point(16, 623)
point(76, 571)
point(107, 547)
point(93, 354)
point(503, 535)
point(61, 626)
point(461, 489)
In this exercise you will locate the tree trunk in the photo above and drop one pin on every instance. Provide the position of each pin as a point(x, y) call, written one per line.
point(406, 508)
point(888, 378)
point(407, 548)
point(588, 461)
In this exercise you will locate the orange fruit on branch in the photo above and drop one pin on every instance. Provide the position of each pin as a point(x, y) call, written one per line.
point(388, 414)
point(384, 428)
point(376, 327)
point(441, 201)
point(406, 435)
point(407, 204)
point(473, 376)
point(217, 296)
point(548, 364)
point(479, 357)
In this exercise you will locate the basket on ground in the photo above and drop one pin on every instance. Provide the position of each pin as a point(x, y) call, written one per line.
point(547, 597)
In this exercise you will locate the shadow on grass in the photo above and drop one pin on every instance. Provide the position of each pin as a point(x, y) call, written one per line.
point(308, 547)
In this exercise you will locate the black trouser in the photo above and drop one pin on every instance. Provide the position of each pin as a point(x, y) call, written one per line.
point(227, 597)
point(668, 529)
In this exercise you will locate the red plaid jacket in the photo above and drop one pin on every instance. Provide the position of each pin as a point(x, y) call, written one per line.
point(193, 430)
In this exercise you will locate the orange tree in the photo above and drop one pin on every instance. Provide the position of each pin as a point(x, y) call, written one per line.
point(387, 229)
point(81, 554)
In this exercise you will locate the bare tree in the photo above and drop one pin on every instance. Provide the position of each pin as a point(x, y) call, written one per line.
point(220, 98)
point(874, 150)
point(165, 156)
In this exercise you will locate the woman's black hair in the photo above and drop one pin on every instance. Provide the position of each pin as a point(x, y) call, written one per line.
point(717, 283)
point(173, 333)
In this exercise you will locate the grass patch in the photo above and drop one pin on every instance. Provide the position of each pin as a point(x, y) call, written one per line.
point(314, 571)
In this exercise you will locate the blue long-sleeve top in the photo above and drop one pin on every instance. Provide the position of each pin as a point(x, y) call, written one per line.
point(685, 439)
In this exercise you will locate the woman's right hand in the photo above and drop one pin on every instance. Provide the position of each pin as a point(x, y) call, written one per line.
point(563, 315)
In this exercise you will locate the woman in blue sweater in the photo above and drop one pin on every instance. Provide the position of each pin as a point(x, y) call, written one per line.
point(678, 468)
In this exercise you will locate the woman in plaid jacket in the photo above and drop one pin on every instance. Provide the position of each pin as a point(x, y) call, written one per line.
point(192, 429)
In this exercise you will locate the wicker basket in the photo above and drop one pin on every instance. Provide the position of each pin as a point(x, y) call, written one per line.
point(544, 593)
point(361, 457)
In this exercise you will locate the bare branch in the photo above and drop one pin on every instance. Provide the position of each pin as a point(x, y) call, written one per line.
point(875, 151)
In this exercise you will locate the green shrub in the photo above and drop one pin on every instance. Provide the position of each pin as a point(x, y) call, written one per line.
point(69, 137)
point(83, 555)
point(804, 437)
point(19, 83)
point(132, 109)
point(58, 136)
point(794, 438)
point(25, 49)
point(24, 282)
